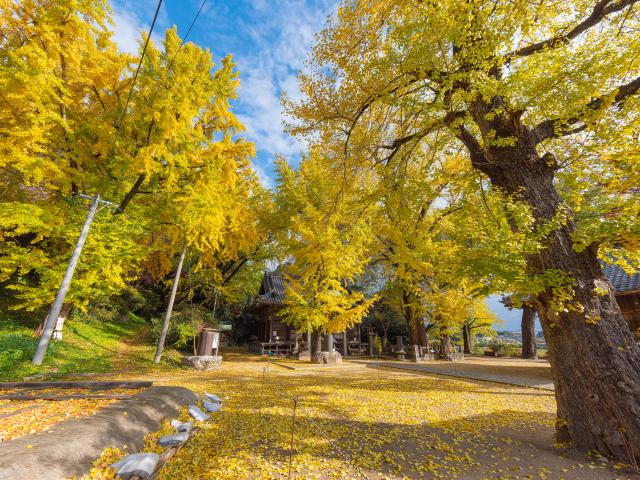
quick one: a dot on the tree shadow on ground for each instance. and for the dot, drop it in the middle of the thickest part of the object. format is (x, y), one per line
(384, 449)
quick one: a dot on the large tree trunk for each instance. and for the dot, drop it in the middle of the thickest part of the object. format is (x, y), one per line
(316, 341)
(446, 346)
(528, 329)
(594, 359)
(422, 332)
(408, 314)
(466, 339)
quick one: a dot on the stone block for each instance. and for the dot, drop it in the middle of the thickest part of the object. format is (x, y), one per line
(203, 362)
(326, 358)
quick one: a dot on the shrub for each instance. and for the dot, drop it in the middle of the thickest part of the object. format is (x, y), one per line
(184, 326)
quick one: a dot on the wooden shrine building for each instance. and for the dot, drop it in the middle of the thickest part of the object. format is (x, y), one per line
(270, 333)
(271, 336)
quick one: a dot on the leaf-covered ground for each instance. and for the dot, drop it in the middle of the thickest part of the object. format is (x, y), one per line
(357, 422)
(23, 417)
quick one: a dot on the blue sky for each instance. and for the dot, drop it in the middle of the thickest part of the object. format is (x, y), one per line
(269, 41)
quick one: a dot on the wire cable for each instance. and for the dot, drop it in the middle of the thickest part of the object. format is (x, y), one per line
(135, 77)
(184, 39)
(169, 69)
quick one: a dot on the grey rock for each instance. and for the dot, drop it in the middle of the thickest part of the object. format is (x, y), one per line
(212, 407)
(326, 358)
(203, 362)
(197, 414)
(172, 440)
(136, 464)
(212, 397)
(179, 426)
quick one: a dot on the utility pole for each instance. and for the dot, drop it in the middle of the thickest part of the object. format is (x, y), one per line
(52, 318)
(215, 303)
(167, 316)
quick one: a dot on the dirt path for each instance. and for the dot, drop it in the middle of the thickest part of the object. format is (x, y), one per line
(526, 373)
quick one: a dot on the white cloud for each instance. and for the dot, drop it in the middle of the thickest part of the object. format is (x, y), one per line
(265, 179)
(129, 24)
(269, 40)
(281, 36)
(262, 113)
(126, 31)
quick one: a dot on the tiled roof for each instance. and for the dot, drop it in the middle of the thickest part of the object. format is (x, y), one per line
(620, 280)
(271, 290)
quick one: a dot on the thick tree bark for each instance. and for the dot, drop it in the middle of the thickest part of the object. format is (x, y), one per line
(466, 338)
(594, 359)
(446, 346)
(528, 329)
(422, 332)
(409, 317)
(415, 325)
(317, 341)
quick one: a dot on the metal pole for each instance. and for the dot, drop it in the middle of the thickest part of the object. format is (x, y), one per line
(50, 322)
(167, 316)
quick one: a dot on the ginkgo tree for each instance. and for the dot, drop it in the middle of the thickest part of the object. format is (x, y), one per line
(326, 233)
(171, 158)
(52, 55)
(416, 199)
(531, 92)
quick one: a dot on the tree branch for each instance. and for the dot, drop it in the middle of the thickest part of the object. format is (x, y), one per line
(235, 270)
(599, 13)
(131, 193)
(554, 128)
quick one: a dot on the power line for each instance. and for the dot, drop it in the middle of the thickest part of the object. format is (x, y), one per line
(184, 39)
(135, 77)
(169, 68)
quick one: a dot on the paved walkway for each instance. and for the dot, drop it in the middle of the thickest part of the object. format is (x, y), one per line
(527, 373)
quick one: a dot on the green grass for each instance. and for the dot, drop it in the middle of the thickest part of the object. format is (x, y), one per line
(89, 345)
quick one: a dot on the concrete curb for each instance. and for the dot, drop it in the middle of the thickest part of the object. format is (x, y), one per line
(407, 368)
(69, 447)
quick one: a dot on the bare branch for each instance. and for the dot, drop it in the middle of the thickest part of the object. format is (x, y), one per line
(599, 13)
(554, 128)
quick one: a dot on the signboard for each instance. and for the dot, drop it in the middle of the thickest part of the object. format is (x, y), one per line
(215, 337)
